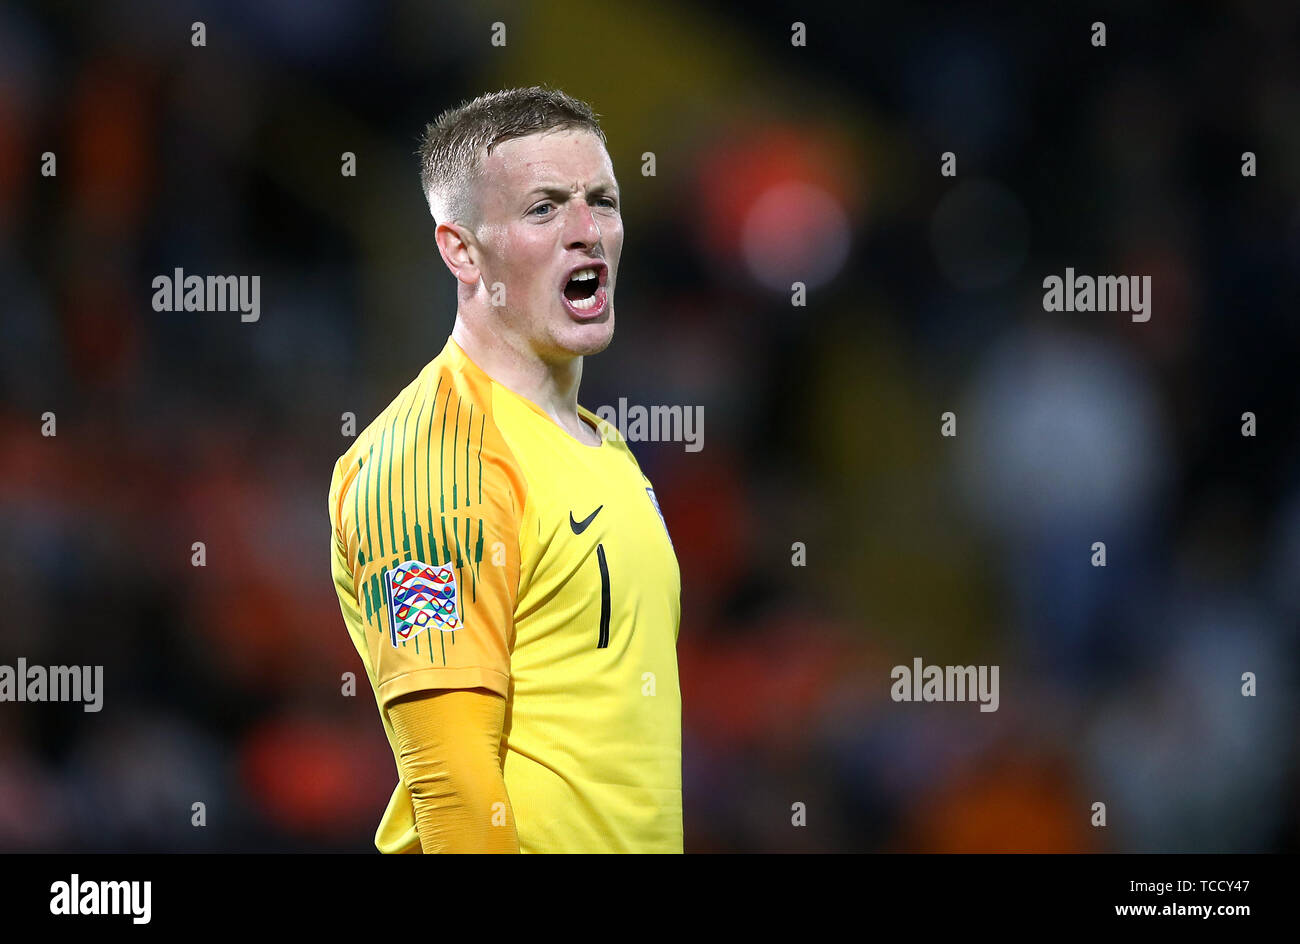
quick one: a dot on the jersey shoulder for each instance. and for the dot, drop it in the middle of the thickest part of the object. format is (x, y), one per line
(436, 446)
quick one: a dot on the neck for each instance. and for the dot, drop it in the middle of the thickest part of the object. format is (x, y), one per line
(552, 386)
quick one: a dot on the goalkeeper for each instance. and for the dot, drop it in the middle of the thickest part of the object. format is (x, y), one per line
(500, 559)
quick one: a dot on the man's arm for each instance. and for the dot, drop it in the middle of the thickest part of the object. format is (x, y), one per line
(449, 742)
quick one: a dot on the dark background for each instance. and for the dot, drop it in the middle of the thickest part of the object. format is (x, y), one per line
(773, 164)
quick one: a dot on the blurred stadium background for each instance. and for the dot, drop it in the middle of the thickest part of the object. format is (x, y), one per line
(1120, 685)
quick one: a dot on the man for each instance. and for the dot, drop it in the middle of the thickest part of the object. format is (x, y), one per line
(500, 559)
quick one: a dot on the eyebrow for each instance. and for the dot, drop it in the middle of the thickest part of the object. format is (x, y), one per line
(560, 192)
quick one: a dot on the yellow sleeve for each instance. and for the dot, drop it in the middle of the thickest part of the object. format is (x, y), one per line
(428, 525)
(449, 759)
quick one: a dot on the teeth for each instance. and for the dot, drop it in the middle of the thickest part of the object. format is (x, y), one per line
(583, 275)
(584, 304)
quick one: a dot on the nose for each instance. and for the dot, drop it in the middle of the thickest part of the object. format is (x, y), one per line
(581, 228)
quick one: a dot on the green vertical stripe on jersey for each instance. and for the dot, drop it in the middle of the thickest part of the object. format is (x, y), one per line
(469, 427)
(406, 535)
(442, 443)
(478, 548)
(379, 524)
(482, 425)
(392, 453)
(415, 487)
(428, 479)
(455, 435)
(473, 577)
(370, 543)
(467, 561)
(442, 495)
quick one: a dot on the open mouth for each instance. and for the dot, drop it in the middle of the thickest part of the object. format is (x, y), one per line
(584, 291)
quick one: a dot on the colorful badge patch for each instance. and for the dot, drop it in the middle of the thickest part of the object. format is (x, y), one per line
(421, 596)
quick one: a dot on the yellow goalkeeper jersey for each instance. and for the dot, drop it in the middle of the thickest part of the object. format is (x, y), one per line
(476, 544)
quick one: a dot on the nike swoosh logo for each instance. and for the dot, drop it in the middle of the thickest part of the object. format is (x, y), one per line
(580, 526)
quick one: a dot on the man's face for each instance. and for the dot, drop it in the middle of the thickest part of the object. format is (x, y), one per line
(549, 208)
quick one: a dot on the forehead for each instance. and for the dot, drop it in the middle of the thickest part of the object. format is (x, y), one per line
(554, 157)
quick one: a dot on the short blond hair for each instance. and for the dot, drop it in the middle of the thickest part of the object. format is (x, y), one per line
(452, 147)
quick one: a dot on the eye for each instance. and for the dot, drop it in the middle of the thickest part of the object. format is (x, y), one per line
(540, 206)
(610, 202)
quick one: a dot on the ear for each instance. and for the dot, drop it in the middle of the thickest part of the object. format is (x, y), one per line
(458, 250)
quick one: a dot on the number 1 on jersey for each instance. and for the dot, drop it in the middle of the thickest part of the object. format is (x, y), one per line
(604, 597)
